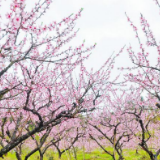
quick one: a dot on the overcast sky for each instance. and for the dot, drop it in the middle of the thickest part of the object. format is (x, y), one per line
(104, 22)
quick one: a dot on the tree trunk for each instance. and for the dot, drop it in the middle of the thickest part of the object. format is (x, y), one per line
(114, 158)
(59, 155)
(69, 154)
(119, 151)
(74, 152)
(18, 156)
(41, 157)
(152, 156)
(40, 154)
(121, 158)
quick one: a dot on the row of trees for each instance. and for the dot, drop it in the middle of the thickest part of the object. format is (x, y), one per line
(43, 106)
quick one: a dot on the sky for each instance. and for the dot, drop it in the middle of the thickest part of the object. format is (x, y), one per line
(104, 22)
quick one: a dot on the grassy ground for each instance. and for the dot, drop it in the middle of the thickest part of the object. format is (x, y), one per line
(95, 155)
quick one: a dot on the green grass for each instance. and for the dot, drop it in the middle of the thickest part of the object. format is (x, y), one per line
(94, 155)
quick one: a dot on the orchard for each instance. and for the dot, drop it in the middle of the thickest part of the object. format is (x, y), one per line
(47, 112)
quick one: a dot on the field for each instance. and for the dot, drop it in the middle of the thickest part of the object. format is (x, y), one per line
(80, 155)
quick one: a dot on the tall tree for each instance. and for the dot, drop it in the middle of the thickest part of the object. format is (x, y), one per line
(37, 87)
